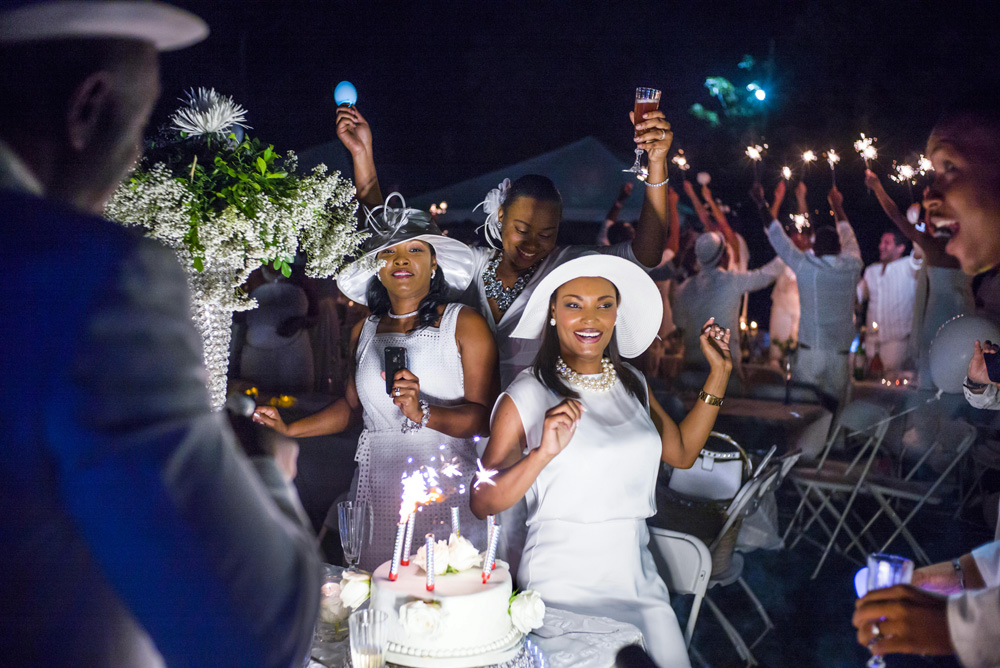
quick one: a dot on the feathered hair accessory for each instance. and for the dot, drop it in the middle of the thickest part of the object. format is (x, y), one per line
(384, 221)
(491, 205)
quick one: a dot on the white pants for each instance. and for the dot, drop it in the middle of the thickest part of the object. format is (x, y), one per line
(827, 372)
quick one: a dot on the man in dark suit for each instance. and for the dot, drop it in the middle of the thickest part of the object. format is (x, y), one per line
(133, 531)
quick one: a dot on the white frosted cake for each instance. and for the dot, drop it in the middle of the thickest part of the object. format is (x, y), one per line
(462, 623)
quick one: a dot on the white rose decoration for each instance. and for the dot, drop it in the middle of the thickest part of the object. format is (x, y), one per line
(440, 558)
(331, 607)
(527, 611)
(355, 588)
(420, 619)
(462, 554)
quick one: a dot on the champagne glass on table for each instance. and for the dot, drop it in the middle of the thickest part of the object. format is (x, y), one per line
(353, 517)
(886, 570)
(646, 99)
(369, 638)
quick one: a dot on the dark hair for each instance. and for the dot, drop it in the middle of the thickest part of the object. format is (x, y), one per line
(827, 241)
(620, 231)
(898, 237)
(534, 186)
(544, 366)
(427, 314)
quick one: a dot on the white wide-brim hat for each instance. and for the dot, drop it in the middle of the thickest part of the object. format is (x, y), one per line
(166, 27)
(640, 308)
(391, 226)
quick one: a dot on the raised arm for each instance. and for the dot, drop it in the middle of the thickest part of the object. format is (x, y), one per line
(612, 216)
(355, 133)
(721, 223)
(653, 134)
(699, 207)
(848, 242)
(760, 278)
(503, 453)
(782, 245)
(779, 197)
(674, 232)
(889, 207)
(682, 443)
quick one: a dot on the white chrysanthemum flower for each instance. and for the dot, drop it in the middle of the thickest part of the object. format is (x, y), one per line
(207, 112)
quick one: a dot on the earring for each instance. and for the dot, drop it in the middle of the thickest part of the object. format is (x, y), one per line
(434, 272)
(552, 321)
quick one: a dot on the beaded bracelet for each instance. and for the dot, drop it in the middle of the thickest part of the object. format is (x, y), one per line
(658, 185)
(409, 425)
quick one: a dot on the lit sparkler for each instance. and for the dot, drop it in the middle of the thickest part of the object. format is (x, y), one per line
(800, 220)
(905, 174)
(681, 161)
(808, 156)
(755, 153)
(786, 172)
(832, 159)
(924, 165)
(866, 149)
(484, 475)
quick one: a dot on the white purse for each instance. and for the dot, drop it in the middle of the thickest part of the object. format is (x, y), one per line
(717, 474)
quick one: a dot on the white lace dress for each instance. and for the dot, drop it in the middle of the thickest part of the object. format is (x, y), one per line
(587, 544)
(385, 453)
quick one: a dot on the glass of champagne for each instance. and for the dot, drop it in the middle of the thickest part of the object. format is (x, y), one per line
(886, 570)
(646, 99)
(369, 638)
(352, 516)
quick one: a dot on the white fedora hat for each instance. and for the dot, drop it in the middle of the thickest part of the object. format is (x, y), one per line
(166, 27)
(640, 308)
(390, 226)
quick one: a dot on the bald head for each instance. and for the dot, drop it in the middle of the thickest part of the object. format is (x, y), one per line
(80, 111)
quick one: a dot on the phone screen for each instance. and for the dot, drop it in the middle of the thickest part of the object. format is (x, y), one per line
(992, 366)
(395, 359)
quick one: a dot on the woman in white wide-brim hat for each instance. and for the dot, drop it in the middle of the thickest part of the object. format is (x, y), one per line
(595, 438)
(439, 402)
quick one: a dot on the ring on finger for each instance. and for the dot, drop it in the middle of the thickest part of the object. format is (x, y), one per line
(876, 631)
(395, 391)
(663, 134)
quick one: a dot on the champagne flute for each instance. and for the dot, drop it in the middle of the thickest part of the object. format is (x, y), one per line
(646, 99)
(369, 638)
(886, 570)
(353, 516)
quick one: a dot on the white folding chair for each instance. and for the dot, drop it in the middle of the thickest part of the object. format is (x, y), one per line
(885, 488)
(685, 564)
(822, 486)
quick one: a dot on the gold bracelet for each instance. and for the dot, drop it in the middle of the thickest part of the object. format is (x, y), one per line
(710, 399)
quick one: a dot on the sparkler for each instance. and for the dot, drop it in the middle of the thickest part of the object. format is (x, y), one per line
(866, 149)
(786, 172)
(429, 543)
(681, 161)
(801, 221)
(808, 156)
(905, 174)
(455, 526)
(491, 554)
(484, 475)
(832, 158)
(924, 165)
(397, 552)
(408, 541)
(755, 153)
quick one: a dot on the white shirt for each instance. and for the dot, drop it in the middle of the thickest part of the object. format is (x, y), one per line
(15, 175)
(974, 616)
(826, 288)
(891, 290)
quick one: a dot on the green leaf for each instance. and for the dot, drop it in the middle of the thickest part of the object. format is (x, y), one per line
(277, 175)
(276, 264)
(286, 271)
(199, 264)
(261, 165)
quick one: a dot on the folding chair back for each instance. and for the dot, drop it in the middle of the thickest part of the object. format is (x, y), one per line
(857, 418)
(685, 564)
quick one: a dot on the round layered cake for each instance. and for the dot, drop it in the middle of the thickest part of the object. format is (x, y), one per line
(461, 624)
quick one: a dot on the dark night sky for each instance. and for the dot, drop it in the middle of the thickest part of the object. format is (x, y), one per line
(456, 89)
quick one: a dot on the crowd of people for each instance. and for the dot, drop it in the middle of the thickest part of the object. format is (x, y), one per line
(147, 529)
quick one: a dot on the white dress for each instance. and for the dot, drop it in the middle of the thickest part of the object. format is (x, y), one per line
(385, 453)
(587, 544)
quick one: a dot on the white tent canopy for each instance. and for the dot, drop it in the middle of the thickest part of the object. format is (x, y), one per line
(586, 173)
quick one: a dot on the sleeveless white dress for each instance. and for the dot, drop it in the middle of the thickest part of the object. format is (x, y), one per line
(385, 453)
(587, 544)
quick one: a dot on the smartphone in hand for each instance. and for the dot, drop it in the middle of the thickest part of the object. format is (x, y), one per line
(992, 366)
(395, 359)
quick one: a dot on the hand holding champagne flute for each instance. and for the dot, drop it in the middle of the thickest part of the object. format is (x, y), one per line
(646, 100)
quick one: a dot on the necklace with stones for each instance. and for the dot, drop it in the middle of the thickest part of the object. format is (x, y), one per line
(402, 316)
(496, 291)
(607, 380)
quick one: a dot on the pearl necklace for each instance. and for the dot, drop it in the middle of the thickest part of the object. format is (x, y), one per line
(402, 315)
(607, 380)
(495, 289)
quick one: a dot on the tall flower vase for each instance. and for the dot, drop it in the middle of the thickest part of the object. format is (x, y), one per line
(214, 322)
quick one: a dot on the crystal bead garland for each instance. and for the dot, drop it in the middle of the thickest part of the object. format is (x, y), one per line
(495, 289)
(214, 323)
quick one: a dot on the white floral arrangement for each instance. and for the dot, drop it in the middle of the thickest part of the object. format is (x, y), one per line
(527, 610)
(355, 588)
(227, 204)
(455, 555)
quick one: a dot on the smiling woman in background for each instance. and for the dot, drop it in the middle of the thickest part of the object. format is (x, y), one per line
(439, 402)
